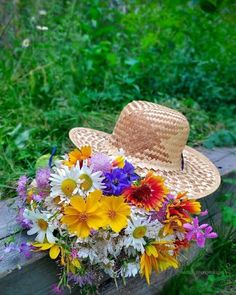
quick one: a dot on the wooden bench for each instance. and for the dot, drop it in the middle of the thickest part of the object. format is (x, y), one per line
(36, 275)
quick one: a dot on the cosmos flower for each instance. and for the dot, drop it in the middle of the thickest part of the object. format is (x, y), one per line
(115, 182)
(157, 256)
(149, 193)
(115, 212)
(82, 216)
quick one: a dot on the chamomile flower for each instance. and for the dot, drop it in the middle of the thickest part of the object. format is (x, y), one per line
(65, 182)
(137, 230)
(130, 269)
(40, 226)
(89, 180)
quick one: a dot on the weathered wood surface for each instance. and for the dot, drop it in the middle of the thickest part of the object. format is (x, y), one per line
(36, 275)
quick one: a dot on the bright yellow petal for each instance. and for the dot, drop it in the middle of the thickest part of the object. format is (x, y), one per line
(70, 219)
(145, 267)
(151, 250)
(76, 263)
(78, 203)
(82, 230)
(118, 223)
(92, 202)
(43, 246)
(95, 221)
(86, 152)
(70, 211)
(54, 252)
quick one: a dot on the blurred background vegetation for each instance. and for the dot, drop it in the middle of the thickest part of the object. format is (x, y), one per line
(77, 63)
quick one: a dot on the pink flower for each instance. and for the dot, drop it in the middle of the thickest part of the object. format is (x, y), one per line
(199, 233)
(204, 213)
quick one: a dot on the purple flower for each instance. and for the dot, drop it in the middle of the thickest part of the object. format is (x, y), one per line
(128, 169)
(21, 220)
(204, 213)
(115, 181)
(197, 233)
(25, 249)
(37, 198)
(57, 290)
(22, 187)
(10, 247)
(161, 214)
(74, 253)
(101, 162)
(42, 179)
(81, 279)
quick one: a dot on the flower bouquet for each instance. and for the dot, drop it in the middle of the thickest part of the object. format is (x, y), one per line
(93, 213)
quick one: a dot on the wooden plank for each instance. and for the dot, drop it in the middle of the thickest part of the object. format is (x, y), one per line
(8, 212)
(39, 273)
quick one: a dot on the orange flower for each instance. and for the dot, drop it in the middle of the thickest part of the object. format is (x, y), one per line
(157, 256)
(77, 155)
(179, 211)
(149, 193)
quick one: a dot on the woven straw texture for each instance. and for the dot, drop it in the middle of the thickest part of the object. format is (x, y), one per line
(153, 137)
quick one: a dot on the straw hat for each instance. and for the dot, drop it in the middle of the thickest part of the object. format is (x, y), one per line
(154, 137)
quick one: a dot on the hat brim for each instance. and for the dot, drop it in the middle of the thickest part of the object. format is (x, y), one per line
(199, 177)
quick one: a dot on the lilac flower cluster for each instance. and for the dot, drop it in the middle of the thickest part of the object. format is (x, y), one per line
(24, 249)
(81, 279)
(21, 220)
(22, 187)
(119, 179)
(101, 162)
(199, 233)
(42, 180)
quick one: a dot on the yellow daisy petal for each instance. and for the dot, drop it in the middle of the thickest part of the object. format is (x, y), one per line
(78, 203)
(54, 252)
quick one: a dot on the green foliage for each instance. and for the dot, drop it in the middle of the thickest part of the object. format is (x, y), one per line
(97, 56)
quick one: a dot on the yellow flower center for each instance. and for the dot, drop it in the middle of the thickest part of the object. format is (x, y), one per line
(112, 214)
(57, 200)
(139, 232)
(42, 224)
(68, 186)
(83, 217)
(87, 182)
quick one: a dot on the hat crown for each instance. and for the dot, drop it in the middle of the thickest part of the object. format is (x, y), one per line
(152, 132)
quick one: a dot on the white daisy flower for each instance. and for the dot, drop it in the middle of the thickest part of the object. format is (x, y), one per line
(130, 269)
(40, 226)
(138, 228)
(90, 180)
(65, 182)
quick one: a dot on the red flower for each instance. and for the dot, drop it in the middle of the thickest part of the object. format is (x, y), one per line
(149, 193)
